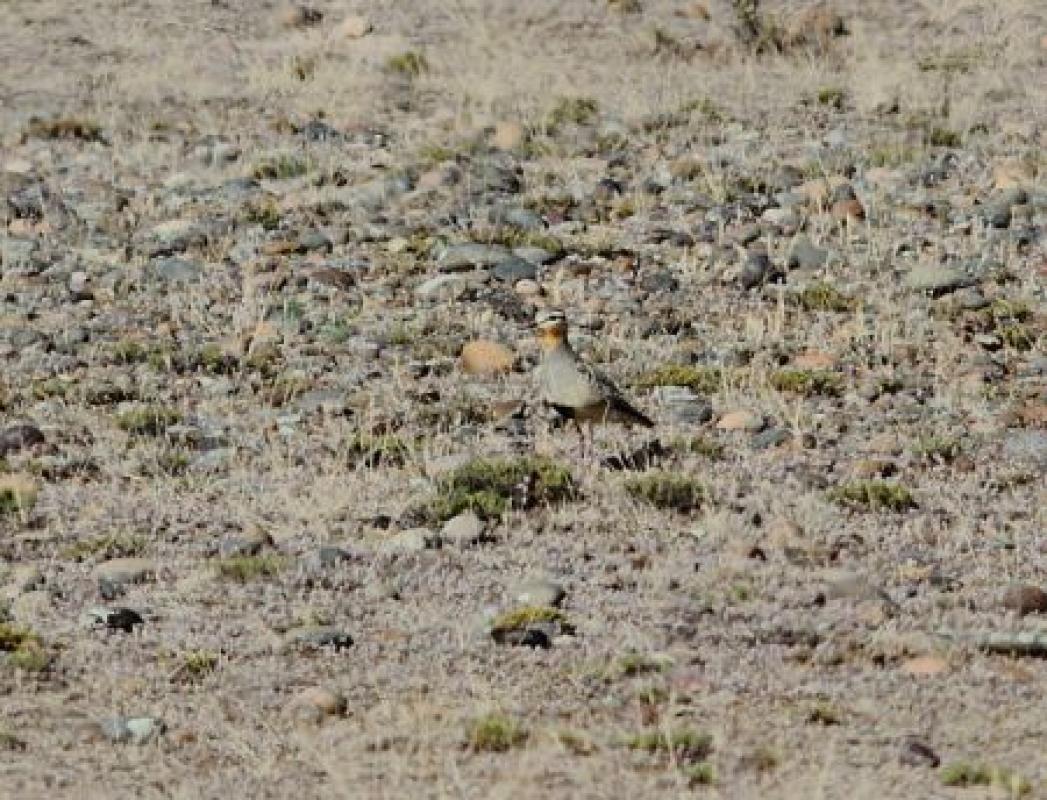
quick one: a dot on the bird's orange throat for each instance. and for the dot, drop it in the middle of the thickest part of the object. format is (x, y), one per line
(551, 337)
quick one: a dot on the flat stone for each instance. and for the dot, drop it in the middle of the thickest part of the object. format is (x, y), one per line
(539, 592)
(741, 420)
(318, 636)
(316, 703)
(805, 255)
(514, 269)
(412, 540)
(486, 358)
(1024, 599)
(113, 617)
(19, 436)
(125, 570)
(470, 256)
(176, 270)
(132, 730)
(463, 530)
(937, 280)
(354, 26)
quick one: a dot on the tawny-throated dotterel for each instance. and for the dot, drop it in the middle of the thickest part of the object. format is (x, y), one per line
(576, 390)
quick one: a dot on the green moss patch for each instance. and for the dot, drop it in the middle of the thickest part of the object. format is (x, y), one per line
(667, 490)
(873, 496)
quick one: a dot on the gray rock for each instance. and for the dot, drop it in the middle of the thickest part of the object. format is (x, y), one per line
(177, 235)
(972, 299)
(536, 255)
(517, 217)
(997, 214)
(682, 405)
(113, 618)
(515, 269)
(755, 270)
(318, 636)
(464, 530)
(449, 285)
(132, 730)
(803, 254)
(19, 436)
(125, 570)
(937, 280)
(772, 437)
(25, 578)
(1026, 446)
(176, 270)
(17, 254)
(412, 540)
(470, 256)
(539, 592)
(249, 542)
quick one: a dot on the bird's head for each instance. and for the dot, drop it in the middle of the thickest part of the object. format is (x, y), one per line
(552, 328)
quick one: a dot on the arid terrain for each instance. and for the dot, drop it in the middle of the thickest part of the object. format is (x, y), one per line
(282, 513)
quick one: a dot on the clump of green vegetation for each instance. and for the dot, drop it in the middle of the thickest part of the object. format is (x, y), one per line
(47, 388)
(150, 420)
(13, 637)
(576, 743)
(495, 733)
(173, 462)
(280, 166)
(1017, 336)
(198, 663)
(825, 297)
(700, 774)
(704, 107)
(524, 617)
(304, 67)
(64, 128)
(511, 237)
(824, 713)
(832, 96)
(574, 110)
(409, 64)
(892, 155)
(265, 213)
(285, 388)
(128, 351)
(943, 137)
(17, 494)
(667, 490)
(23, 647)
(684, 745)
(652, 695)
(633, 664)
(942, 449)
(873, 496)
(762, 759)
(248, 568)
(959, 60)
(702, 446)
(489, 487)
(213, 360)
(807, 382)
(377, 450)
(105, 547)
(11, 743)
(625, 6)
(962, 773)
(705, 380)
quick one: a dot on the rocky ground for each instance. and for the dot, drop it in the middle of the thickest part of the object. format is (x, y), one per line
(280, 516)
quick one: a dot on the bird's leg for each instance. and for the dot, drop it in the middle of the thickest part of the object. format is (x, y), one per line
(588, 444)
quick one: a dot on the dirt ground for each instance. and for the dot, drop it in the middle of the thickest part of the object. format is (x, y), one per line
(282, 513)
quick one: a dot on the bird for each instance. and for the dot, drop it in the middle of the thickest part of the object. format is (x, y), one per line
(573, 388)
